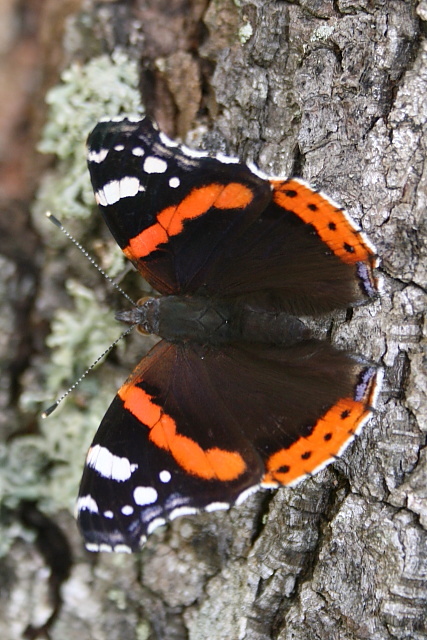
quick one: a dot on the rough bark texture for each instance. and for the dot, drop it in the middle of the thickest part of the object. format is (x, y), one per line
(334, 91)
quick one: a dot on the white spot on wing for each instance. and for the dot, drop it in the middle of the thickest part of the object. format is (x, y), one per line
(122, 548)
(154, 524)
(87, 503)
(92, 546)
(165, 476)
(258, 172)
(138, 151)
(113, 119)
(120, 119)
(174, 182)
(245, 494)
(108, 465)
(119, 147)
(217, 506)
(97, 156)
(129, 187)
(144, 495)
(227, 159)
(182, 511)
(127, 510)
(193, 153)
(167, 141)
(112, 192)
(100, 198)
(152, 164)
(270, 485)
(108, 514)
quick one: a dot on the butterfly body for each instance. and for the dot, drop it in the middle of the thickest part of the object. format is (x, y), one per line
(237, 395)
(213, 321)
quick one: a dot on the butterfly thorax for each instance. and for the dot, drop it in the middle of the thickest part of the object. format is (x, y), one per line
(207, 320)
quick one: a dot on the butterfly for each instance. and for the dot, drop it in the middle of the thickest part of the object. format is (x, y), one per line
(237, 394)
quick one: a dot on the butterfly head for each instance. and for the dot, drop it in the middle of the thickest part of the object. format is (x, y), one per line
(145, 314)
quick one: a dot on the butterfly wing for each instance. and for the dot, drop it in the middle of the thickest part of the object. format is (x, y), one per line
(302, 255)
(169, 208)
(198, 427)
(209, 226)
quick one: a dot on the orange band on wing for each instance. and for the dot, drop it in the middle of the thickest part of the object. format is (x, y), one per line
(209, 464)
(330, 434)
(170, 221)
(233, 196)
(330, 222)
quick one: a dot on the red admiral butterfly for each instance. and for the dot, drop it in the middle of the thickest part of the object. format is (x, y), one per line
(237, 395)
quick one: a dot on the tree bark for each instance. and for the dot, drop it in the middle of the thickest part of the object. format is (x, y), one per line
(333, 91)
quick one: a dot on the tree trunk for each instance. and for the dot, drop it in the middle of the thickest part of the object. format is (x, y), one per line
(334, 91)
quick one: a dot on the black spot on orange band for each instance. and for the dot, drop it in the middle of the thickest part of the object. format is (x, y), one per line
(332, 226)
(307, 454)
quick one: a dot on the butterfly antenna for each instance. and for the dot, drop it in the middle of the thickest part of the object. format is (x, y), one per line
(52, 408)
(56, 222)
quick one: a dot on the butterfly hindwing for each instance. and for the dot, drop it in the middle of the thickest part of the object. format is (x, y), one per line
(143, 469)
